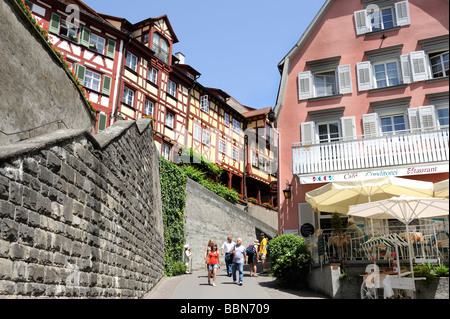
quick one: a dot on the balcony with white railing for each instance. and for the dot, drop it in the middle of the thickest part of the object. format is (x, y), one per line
(369, 153)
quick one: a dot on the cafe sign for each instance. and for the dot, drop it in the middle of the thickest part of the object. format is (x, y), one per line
(399, 171)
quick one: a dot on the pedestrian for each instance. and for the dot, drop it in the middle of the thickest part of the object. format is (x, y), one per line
(226, 247)
(263, 252)
(239, 258)
(207, 250)
(253, 257)
(213, 264)
(187, 258)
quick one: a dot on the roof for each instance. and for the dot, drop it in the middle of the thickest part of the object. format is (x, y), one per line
(166, 19)
(84, 8)
(259, 112)
(284, 64)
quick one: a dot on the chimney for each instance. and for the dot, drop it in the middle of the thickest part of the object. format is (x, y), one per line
(180, 56)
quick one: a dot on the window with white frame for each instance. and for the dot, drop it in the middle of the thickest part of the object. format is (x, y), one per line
(235, 154)
(92, 80)
(149, 107)
(132, 61)
(166, 150)
(172, 88)
(381, 17)
(325, 84)
(386, 73)
(227, 119)
(328, 132)
(255, 159)
(153, 75)
(128, 96)
(442, 116)
(439, 64)
(97, 43)
(263, 164)
(321, 83)
(145, 38)
(197, 133)
(68, 30)
(236, 126)
(170, 119)
(394, 70)
(222, 147)
(206, 138)
(204, 103)
(413, 119)
(393, 124)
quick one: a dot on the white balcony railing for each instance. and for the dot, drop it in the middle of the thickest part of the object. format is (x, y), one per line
(365, 153)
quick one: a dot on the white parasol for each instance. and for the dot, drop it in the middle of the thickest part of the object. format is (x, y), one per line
(338, 196)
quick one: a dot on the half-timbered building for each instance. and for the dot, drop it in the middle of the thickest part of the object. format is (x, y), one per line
(130, 70)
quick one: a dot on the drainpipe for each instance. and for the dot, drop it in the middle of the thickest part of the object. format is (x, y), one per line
(117, 109)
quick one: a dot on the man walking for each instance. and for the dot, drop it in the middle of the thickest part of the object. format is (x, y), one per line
(239, 258)
(227, 247)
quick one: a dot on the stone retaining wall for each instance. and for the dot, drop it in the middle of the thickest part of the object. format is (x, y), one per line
(210, 216)
(80, 215)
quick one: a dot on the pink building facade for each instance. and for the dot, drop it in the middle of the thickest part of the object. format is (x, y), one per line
(363, 93)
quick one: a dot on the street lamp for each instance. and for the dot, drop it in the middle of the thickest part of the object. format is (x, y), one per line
(287, 192)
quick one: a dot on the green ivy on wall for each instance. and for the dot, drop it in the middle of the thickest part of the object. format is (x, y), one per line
(173, 195)
(206, 174)
(173, 190)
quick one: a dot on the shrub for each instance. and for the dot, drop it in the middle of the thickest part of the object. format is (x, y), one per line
(178, 268)
(197, 174)
(290, 259)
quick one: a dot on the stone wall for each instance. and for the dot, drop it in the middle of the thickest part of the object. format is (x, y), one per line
(80, 215)
(35, 88)
(210, 216)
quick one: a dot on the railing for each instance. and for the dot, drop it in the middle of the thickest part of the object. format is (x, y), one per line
(362, 153)
(428, 243)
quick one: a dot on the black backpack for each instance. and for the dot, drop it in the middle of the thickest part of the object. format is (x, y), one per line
(251, 249)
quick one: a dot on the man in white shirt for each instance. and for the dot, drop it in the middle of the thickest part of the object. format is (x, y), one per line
(227, 247)
(239, 258)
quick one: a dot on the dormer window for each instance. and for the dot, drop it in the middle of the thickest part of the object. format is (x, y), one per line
(161, 48)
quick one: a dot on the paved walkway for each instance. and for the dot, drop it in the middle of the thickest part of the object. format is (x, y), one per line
(195, 286)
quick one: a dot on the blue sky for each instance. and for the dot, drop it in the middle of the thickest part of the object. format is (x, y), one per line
(235, 44)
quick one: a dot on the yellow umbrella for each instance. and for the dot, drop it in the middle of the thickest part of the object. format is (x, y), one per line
(338, 196)
(441, 189)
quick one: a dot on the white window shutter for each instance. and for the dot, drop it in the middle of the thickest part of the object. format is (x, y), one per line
(304, 85)
(362, 23)
(308, 133)
(419, 66)
(348, 128)
(371, 125)
(414, 121)
(427, 117)
(364, 70)
(402, 13)
(345, 79)
(406, 68)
